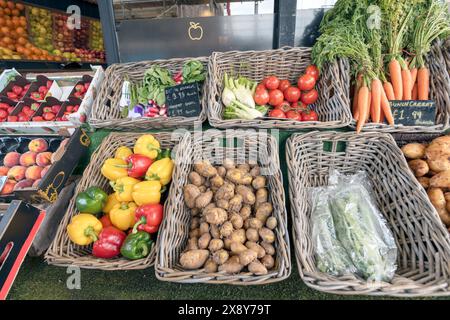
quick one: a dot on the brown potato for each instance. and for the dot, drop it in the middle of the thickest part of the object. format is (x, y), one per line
(419, 167)
(225, 192)
(216, 216)
(216, 182)
(271, 223)
(192, 244)
(441, 180)
(444, 215)
(414, 150)
(424, 182)
(235, 203)
(193, 259)
(237, 221)
(232, 265)
(227, 243)
(226, 229)
(229, 164)
(439, 164)
(204, 228)
(210, 266)
(237, 247)
(262, 195)
(194, 233)
(215, 231)
(270, 249)
(221, 171)
(220, 256)
(267, 235)
(268, 262)
(203, 241)
(252, 234)
(259, 182)
(255, 171)
(202, 189)
(248, 196)
(195, 223)
(205, 169)
(437, 197)
(191, 192)
(447, 201)
(196, 179)
(438, 147)
(215, 245)
(244, 167)
(257, 248)
(204, 199)
(245, 212)
(247, 256)
(255, 223)
(257, 268)
(238, 176)
(264, 211)
(224, 204)
(238, 236)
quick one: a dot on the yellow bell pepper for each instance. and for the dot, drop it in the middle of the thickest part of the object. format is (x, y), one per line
(148, 146)
(114, 169)
(161, 171)
(122, 215)
(147, 192)
(123, 188)
(123, 153)
(110, 203)
(84, 229)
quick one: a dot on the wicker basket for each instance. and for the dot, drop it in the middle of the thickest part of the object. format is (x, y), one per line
(106, 112)
(175, 229)
(63, 252)
(439, 91)
(423, 243)
(287, 63)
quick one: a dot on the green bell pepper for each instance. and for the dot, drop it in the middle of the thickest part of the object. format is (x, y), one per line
(91, 200)
(137, 245)
(164, 153)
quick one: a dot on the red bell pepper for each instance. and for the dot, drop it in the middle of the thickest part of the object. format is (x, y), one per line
(138, 165)
(108, 244)
(148, 217)
(106, 222)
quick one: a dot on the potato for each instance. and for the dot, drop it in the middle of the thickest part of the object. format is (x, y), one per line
(264, 211)
(252, 235)
(210, 266)
(439, 164)
(216, 182)
(444, 215)
(195, 211)
(203, 241)
(238, 236)
(247, 256)
(202, 189)
(262, 195)
(248, 197)
(271, 223)
(215, 245)
(194, 233)
(238, 176)
(267, 235)
(196, 179)
(424, 182)
(190, 192)
(229, 164)
(268, 262)
(225, 192)
(438, 147)
(437, 197)
(194, 259)
(257, 268)
(210, 206)
(222, 203)
(216, 216)
(227, 243)
(245, 212)
(244, 167)
(255, 223)
(447, 201)
(215, 231)
(246, 224)
(441, 180)
(204, 228)
(220, 256)
(414, 150)
(205, 169)
(226, 229)
(204, 199)
(232, 265)
(195, 223)
(270, 249)
(260, 252)
(419, 167)
(237, 221)
(235, 203)
(259, 182)
(237, 247)
(192, 244)
(255, 171)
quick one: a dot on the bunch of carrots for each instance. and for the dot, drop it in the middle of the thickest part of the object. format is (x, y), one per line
(386, 42)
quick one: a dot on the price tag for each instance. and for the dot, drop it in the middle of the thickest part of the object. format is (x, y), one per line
(414, 112)
(183, 100)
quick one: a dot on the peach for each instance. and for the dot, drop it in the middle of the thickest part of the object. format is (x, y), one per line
(33, 172)
(36, 183)
(17, 173)
(28, 159)
(43, 159)
(11, 159)
(44, 171)
(8, 187)
(23, 184)
(3, 171)
(38, 145)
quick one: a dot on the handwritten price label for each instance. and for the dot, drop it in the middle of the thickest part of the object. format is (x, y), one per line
(414, 112)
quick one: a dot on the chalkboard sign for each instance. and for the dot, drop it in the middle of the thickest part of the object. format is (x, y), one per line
(183, 100)
(414, 112)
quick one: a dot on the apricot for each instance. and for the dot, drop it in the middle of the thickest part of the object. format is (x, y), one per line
(33, 173)
(11, 159)
(38, 145)
(8, 187)
(28, 159)
(17, 173)
(44, 159)
(3, 171)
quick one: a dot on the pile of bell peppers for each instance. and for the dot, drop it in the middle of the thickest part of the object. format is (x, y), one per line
(122, 222)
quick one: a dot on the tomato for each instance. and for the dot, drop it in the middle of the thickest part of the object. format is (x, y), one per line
(284, 84)
(309, 115)
(276, 97)
(306, 82)
(277, 113)
(285, 106)
(298, 105)
(292, 94)
(294, 115)
(260, 86)
(313, 70)
(261, 97)
(310, 97)
(272, 82)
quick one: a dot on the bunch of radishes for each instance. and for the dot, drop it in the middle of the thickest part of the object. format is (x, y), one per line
(153, 110)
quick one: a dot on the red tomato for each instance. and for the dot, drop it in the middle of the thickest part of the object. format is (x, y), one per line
(284, 84)
(306, 82)
(309, 115)
(292, 94)
(260, 86)
(310, 97)
(276, 97)
(285, 106)
(261, 97)
(294, 115)
(313, 70)
(277, 113)
(299, 105)
(272, 82)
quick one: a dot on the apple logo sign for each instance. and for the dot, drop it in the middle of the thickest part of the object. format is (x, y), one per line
(195, 31)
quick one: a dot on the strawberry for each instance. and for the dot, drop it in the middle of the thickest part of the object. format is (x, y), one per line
(47, 109)
(69, 109)
(3, 114)
(49, 116)
(49, 83)
(25, 109)
(80, 88)
(22, 118)
(10, 109)
(35, 96)
(13, 118)
(56, 108)
(42, 89)
(78, 94)
(12, 95)
(4, 105)
(37, 118)
(34, 106)
(17, 90)
(43, 96)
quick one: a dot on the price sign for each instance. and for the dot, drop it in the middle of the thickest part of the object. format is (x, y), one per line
(414, 112)
(183, 100)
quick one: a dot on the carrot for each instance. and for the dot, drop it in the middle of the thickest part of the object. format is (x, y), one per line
(407, 84)
(413, 75)
(423, 83)
(363, 99)
(355, 110)
(386, 107)
(414, 92)
(382, 116)
(396, 78)
(389, 90)
(375, 106)
(369, 103)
